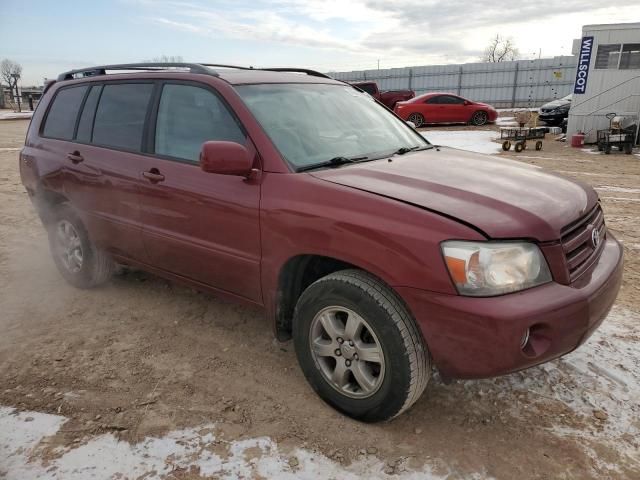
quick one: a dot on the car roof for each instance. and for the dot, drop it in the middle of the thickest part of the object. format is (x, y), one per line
(433, 94)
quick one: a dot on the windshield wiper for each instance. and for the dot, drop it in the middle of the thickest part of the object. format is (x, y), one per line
(403, 150)
(334, 162)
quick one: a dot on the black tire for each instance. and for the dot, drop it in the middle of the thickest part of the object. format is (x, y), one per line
(600, 147)
(96, 266)
(407, 366)
(417, 119)
(519, 147)
(479, 118)
(628, 148)
(607, 149)
(539, 145)
(506, 145)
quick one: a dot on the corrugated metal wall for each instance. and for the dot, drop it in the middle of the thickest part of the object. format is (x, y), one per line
(523, 83)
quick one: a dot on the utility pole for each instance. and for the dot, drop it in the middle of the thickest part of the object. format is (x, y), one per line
(378, 64)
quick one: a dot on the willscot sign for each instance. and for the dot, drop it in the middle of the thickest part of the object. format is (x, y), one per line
(582, 73)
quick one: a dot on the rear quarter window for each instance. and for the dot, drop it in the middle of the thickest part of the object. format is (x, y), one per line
(120, 117)
(60, 122)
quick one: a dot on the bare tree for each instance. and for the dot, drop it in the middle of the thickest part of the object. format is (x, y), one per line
(167, 59)
(500, 49)
(10, 72)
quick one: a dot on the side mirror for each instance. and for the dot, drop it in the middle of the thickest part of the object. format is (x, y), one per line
(225, 158)
(411, 124)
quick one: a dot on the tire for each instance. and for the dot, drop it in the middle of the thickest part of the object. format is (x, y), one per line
(600, 147)
(506, 145)
(394, 381)
(78, 260)
(519, 147)
(417, 119)
(479, 118)
(539, 145)
(607, 149)
(628, 148)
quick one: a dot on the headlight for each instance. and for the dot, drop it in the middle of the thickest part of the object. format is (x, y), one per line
(483, 269)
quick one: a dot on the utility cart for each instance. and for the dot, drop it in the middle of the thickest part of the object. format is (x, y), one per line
(616, 136)
(520, 135)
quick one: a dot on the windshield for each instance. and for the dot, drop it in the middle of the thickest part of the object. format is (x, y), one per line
(314, 123)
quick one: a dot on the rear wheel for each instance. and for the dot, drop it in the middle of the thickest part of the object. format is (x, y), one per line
(76, 257)
(506, 145)
(417, 119)
(539, 145)
(359, 347)
(519, 147)
(479, 118)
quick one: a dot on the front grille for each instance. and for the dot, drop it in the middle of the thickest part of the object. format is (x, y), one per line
(578, 242)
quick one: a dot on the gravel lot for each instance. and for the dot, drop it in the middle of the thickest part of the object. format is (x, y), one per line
(143, 377)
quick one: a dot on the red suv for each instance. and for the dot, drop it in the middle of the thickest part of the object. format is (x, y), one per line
(380, 254)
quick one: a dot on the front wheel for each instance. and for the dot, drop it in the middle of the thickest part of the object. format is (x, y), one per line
(79, 261)
(417, 119)
(479, 118)
(359, 347)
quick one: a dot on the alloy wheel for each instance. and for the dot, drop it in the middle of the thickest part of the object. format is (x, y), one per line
(69, 246)
(347, 352)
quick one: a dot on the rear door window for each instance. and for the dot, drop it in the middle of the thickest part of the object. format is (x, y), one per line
(61, 118)
(85, 126)
(187, 117)
(119, 119)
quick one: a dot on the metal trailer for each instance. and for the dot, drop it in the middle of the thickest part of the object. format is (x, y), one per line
(520, 135)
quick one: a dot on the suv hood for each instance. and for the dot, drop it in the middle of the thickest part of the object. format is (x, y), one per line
(501, 198)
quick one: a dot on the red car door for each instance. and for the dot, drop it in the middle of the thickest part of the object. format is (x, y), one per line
(432, 110)
(198, 225)
(453, 109)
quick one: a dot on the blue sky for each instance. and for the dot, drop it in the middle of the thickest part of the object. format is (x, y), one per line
(48, 37)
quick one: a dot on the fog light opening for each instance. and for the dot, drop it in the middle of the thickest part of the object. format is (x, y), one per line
(535, 341)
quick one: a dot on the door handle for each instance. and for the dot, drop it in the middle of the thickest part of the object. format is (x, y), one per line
(75, 157)
(153, 175)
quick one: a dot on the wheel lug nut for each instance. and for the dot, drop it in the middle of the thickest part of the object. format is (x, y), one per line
(340, 340)
(348, 363)
(338, 352)
(355, 356)
(351, 343)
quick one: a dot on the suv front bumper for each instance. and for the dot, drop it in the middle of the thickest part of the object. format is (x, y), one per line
(471, 337)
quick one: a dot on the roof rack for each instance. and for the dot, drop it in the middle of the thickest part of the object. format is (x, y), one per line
(147, 66)
(312, 73)
(160, 66)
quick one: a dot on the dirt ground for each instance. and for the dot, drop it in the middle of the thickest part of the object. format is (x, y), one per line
(141, 357)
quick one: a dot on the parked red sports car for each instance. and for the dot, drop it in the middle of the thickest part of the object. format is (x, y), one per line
(438, 107)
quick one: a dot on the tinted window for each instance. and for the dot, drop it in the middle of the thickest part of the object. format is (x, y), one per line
(368, 87)
(608, 56)
(88, 113)
(61, 119)
(434, 100)
(189, 116)
(451, 100)
(120, 116)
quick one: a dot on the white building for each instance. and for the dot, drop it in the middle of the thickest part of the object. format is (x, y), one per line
(607, 77)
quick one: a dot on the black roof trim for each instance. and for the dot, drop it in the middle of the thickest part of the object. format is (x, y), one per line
(192, 67)
(147, 66)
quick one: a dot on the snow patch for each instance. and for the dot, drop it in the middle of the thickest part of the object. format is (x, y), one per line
(479, 141)
(196, 450)
(15, 115)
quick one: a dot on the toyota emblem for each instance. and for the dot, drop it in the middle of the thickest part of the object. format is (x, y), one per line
(595, 237)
